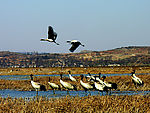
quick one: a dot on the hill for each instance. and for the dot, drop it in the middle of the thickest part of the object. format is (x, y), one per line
(124, 56)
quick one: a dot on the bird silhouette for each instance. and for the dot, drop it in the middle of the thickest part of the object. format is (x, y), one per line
(51, 36)
(75, 44)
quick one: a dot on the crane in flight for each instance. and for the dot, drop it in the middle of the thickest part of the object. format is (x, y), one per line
(75, 44)
(51, 36)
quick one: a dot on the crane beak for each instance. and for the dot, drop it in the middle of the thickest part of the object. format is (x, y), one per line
(68, 41)
(82, 45)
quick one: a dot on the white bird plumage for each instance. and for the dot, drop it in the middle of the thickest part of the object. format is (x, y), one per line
(37, 85)
(71, 77)
(98, 83)
(67, 85)
(136, 80)
(54, 86)
(86, 86)
(108, 85)
(100, 87)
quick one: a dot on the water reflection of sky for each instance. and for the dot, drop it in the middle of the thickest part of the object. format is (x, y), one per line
(49, 94)
(27, 77)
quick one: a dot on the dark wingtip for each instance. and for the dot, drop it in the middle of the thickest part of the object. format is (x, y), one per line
(71, 50)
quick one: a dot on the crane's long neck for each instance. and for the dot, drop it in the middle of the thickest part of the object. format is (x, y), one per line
(81, 77)
(89, 74)
(103, 78)
(133, 75)
(60, 76)
(99, 75)
(49, 79)
(95, 78)
(31, 77)
(69, 72)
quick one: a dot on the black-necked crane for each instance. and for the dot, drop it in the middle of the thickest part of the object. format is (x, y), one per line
(86, 86)
(92, 77)
(109, 85)
(51, 35)
(100, 87)
(67, 85)
(100, 81)
(75, 44)
(54, 86)
(37, 86)
(71, 77)
(136, 80)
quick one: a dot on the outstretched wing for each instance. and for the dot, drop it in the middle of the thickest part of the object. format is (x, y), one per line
(74, 46)
(50, 33)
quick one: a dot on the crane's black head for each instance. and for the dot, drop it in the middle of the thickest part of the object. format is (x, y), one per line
(31, 77)
(89, 74)
(133, 72)
(50, 28)
(69, 71)
(81, 77)
(60, 75)
(104, 77)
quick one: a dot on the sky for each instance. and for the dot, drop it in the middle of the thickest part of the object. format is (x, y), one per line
(99, 24)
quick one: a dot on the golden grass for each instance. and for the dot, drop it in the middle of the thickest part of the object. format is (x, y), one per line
(74, 70)
(99, 104)
(89, 104)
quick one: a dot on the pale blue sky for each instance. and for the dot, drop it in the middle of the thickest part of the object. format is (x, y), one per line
(99, 24)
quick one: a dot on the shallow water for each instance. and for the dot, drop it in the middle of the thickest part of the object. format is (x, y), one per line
(49, 94)
(27, 77)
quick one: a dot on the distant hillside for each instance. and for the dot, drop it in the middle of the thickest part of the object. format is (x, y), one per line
(124, 56)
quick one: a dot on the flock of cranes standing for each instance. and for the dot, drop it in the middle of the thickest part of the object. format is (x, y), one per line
(94, 82)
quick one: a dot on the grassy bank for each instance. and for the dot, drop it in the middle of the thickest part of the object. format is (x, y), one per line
(74, 70)
(130, 104)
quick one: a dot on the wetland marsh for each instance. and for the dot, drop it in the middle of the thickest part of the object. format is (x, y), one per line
(125, 99)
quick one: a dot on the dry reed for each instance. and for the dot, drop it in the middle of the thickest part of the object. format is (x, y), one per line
(88, 104)
(134, 103)
(74, 70)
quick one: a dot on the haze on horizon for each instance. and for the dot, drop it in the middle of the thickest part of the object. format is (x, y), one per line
(100, 24)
